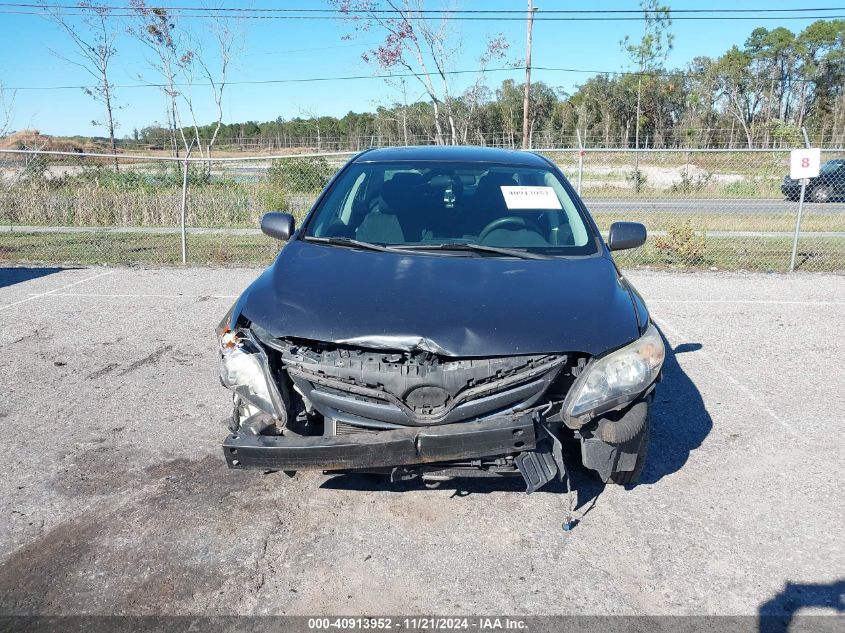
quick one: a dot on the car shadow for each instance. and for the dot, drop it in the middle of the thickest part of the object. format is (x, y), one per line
(583, 483)
(680, 422)
(776, 615)
(679, 418)
(9, 276)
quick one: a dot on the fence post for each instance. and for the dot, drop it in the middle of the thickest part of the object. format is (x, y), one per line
(580, 160)
(184, 209)
(185, 205)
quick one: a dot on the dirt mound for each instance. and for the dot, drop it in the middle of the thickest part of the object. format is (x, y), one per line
(34, 140)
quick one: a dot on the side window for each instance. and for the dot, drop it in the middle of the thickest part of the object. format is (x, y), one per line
(572, 231)
(355, 193)
(337, 208)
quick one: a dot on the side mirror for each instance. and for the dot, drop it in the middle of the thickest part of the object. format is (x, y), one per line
(626, 235)
(278, 225)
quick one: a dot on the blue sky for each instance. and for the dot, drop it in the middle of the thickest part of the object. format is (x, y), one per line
(286, 49)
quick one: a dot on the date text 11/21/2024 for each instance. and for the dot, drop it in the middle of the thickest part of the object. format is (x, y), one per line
(417, 623)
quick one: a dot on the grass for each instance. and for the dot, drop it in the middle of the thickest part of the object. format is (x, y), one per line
(135, 248)
(763, 254)
(758, 254)
(769, 222)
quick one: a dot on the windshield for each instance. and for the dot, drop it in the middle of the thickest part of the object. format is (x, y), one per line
(419, 204)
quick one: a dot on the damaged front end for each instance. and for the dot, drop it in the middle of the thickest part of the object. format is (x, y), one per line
(399, 407)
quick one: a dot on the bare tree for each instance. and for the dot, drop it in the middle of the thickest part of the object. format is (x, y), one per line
(227, 36)
(93, 37)
(7, 109)
(309, 112)
(180, 61)
(419, 44)
(155, 29)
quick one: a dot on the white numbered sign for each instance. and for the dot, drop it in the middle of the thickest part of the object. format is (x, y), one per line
(530, 198)
(804, 163)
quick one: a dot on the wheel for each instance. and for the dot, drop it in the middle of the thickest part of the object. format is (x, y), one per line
(625, 477)
(820, 194)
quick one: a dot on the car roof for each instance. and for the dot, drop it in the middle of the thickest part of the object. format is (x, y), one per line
(452, 153)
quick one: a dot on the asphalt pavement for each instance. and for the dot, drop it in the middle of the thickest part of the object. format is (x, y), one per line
(115, 498)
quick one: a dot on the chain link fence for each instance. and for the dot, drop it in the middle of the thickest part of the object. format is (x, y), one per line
(704, 209)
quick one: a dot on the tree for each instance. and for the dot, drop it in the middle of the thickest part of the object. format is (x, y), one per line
(225, 35)
(93, 37)
(772, 56)
(422, 46)
(821, 53)
(740, 89)
(155, 29)
(7, 108)
(178, 59)
(650, 53)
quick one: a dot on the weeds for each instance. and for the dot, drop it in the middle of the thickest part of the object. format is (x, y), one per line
(691, 184)
(681, 245)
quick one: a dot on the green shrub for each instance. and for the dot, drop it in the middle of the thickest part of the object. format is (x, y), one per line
(637, 178)
(300, 175)
(681, 245)
(276, 199)
(691, 184)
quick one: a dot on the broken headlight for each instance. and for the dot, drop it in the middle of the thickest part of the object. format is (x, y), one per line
(244, 370)
(615, 379)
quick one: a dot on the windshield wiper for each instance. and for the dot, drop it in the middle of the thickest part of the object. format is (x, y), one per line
(348, 241)
(478, 248)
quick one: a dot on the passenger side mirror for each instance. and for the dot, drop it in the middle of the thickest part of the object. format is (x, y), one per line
(626, 235)
(278, 225)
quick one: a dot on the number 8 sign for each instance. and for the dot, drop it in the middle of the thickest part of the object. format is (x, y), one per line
(804, 163)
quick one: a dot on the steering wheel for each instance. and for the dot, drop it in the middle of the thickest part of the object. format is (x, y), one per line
(516, 220)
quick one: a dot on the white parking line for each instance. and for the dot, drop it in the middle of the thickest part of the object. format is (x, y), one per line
(664, 325)
(55, 291)
(761, 301)
(132, 295)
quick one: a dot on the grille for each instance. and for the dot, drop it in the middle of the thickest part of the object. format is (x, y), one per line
(343, 428)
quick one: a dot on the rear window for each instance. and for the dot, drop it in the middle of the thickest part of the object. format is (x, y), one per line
(430, 203)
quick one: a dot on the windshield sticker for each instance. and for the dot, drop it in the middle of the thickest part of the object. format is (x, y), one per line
(530, 198)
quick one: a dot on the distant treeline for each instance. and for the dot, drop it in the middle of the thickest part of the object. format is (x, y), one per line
(758, 95)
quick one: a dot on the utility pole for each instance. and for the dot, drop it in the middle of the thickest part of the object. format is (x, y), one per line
(525, 99)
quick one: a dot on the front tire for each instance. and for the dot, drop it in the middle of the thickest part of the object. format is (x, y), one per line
(639, 445)
(821, 194)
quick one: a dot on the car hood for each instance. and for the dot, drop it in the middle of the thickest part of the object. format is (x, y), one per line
(454, 306)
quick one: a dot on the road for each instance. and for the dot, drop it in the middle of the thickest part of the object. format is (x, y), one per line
(115, 498)
(710, 206)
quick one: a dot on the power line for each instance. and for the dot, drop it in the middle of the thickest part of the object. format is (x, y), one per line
(462, 18)
(305, 14)
(678, 75)
(637, 12)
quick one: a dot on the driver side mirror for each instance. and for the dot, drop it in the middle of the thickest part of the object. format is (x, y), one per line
(278, 225)
(625, 235)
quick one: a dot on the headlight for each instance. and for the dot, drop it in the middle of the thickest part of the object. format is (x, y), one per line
(244, 370)
(615, 379)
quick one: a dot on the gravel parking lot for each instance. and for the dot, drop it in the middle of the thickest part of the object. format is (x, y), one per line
(114, 496)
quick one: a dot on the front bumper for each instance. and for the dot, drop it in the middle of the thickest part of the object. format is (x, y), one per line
(791, 189)
(399, 447)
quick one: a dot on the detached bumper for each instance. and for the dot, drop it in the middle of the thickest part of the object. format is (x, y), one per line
(400, 447)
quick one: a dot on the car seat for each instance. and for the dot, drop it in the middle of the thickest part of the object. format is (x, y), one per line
(488, 203)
